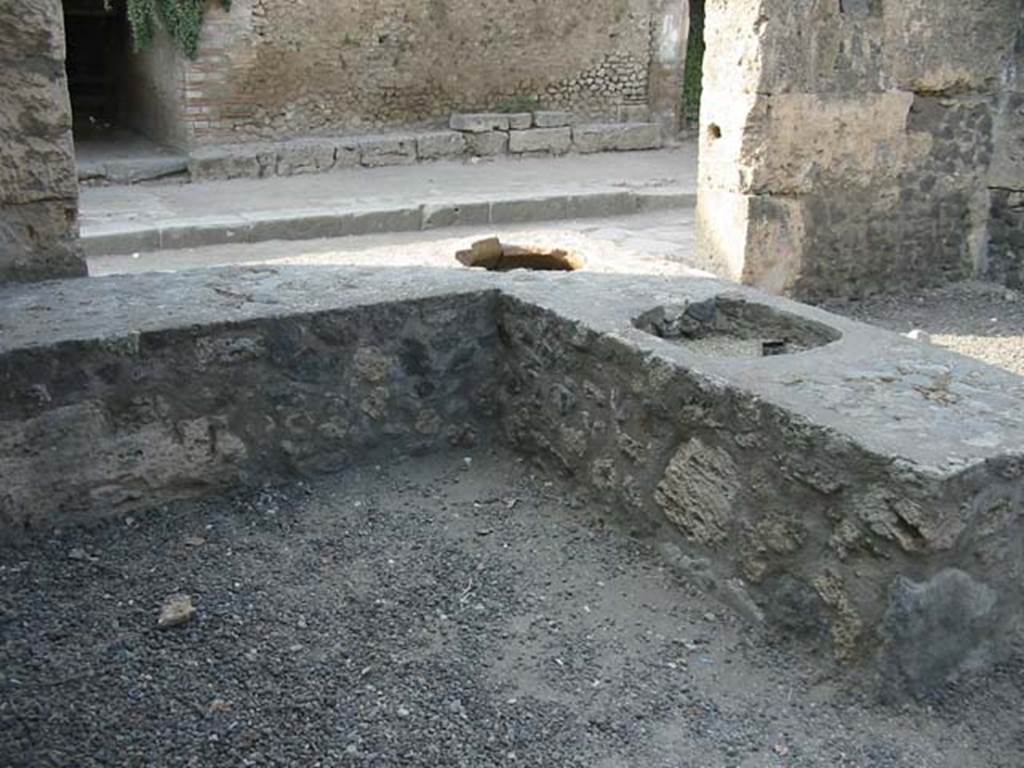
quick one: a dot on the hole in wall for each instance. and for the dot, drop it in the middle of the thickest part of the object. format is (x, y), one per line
(714, 132)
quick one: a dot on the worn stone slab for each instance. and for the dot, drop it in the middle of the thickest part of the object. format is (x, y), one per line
(520, 121)
(865, 494)
(225, 162)
(219, 230)
(616, 138)
(554, 141)
(307, 156)
(440, 145)
(479, 122)
(529, 209)
(378, 151)
(552, 119)
(487, 144)
(436, 215)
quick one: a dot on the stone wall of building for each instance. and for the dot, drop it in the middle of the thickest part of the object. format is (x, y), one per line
(38, 185)
(273, 69)
(1005, 261)
(153, 95)
(846, 145)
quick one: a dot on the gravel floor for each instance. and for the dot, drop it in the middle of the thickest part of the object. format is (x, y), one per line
(429, 613)
(976, 319)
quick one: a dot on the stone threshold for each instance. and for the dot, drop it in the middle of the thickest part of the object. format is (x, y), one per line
(863, 492)
(120, 238)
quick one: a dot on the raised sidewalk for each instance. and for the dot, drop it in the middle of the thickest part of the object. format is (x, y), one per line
(140, 218)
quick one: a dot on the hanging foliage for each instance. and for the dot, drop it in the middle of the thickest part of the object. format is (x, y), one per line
(183, 19)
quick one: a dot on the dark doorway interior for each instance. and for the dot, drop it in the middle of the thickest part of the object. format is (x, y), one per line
(97, 39)
(105, 84)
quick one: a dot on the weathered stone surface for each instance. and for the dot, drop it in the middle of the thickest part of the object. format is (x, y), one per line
(377, 151)
(934, 626)
(176, 611)
(698, 491)
(226, 162)
(496, 256)
(555, 141)
(271, 71)
(520, 121)
(308, 156)
(440, 145)
(479, 123)
(487, 144)
(38, 182)
(616, 137)
(455, 215)
(845, 147)
(832, 490)
(34, 28)
(552, 119)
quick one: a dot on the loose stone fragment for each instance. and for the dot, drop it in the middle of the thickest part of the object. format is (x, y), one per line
(176, 611)
(491, 254)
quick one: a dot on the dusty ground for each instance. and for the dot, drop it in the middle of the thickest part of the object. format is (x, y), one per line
(428, 614)
(980, 320)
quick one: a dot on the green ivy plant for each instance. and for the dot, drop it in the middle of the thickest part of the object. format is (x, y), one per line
(181, 18)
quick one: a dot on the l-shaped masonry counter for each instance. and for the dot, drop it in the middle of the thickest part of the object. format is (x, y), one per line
(865, 490)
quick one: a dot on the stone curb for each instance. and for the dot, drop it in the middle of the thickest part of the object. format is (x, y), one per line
(119, 240)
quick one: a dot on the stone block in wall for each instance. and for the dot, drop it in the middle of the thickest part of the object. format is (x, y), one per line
(347, 153)
(487, 144)
(480, 122)
(556, 141)
(440, 145)
(552, 119)
(38, 179)
(237, 161)
(1005, 262)
(950, 46)
(616, 138)
(31, 28)
(38, 241)
(520, 121)
(305, 156)
(378, 151)
(634, 113)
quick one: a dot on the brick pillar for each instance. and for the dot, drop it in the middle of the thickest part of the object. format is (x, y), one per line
(38, 180)
(845, 143)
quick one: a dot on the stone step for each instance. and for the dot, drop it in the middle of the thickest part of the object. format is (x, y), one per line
(542, 133)
(122, 237)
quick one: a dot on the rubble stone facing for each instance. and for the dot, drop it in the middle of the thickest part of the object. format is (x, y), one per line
(1005, 258)
(268, 70)
(846, 147)
(866, 494)
(38, 180)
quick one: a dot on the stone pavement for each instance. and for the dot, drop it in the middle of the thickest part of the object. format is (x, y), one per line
(133, 219)
(649, 243)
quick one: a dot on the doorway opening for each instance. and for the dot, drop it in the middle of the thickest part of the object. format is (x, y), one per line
(116, 112)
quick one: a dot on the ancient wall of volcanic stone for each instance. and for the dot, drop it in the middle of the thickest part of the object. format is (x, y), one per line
(271, 69)
(38, 185)
(1006, 182)
(846, 144)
